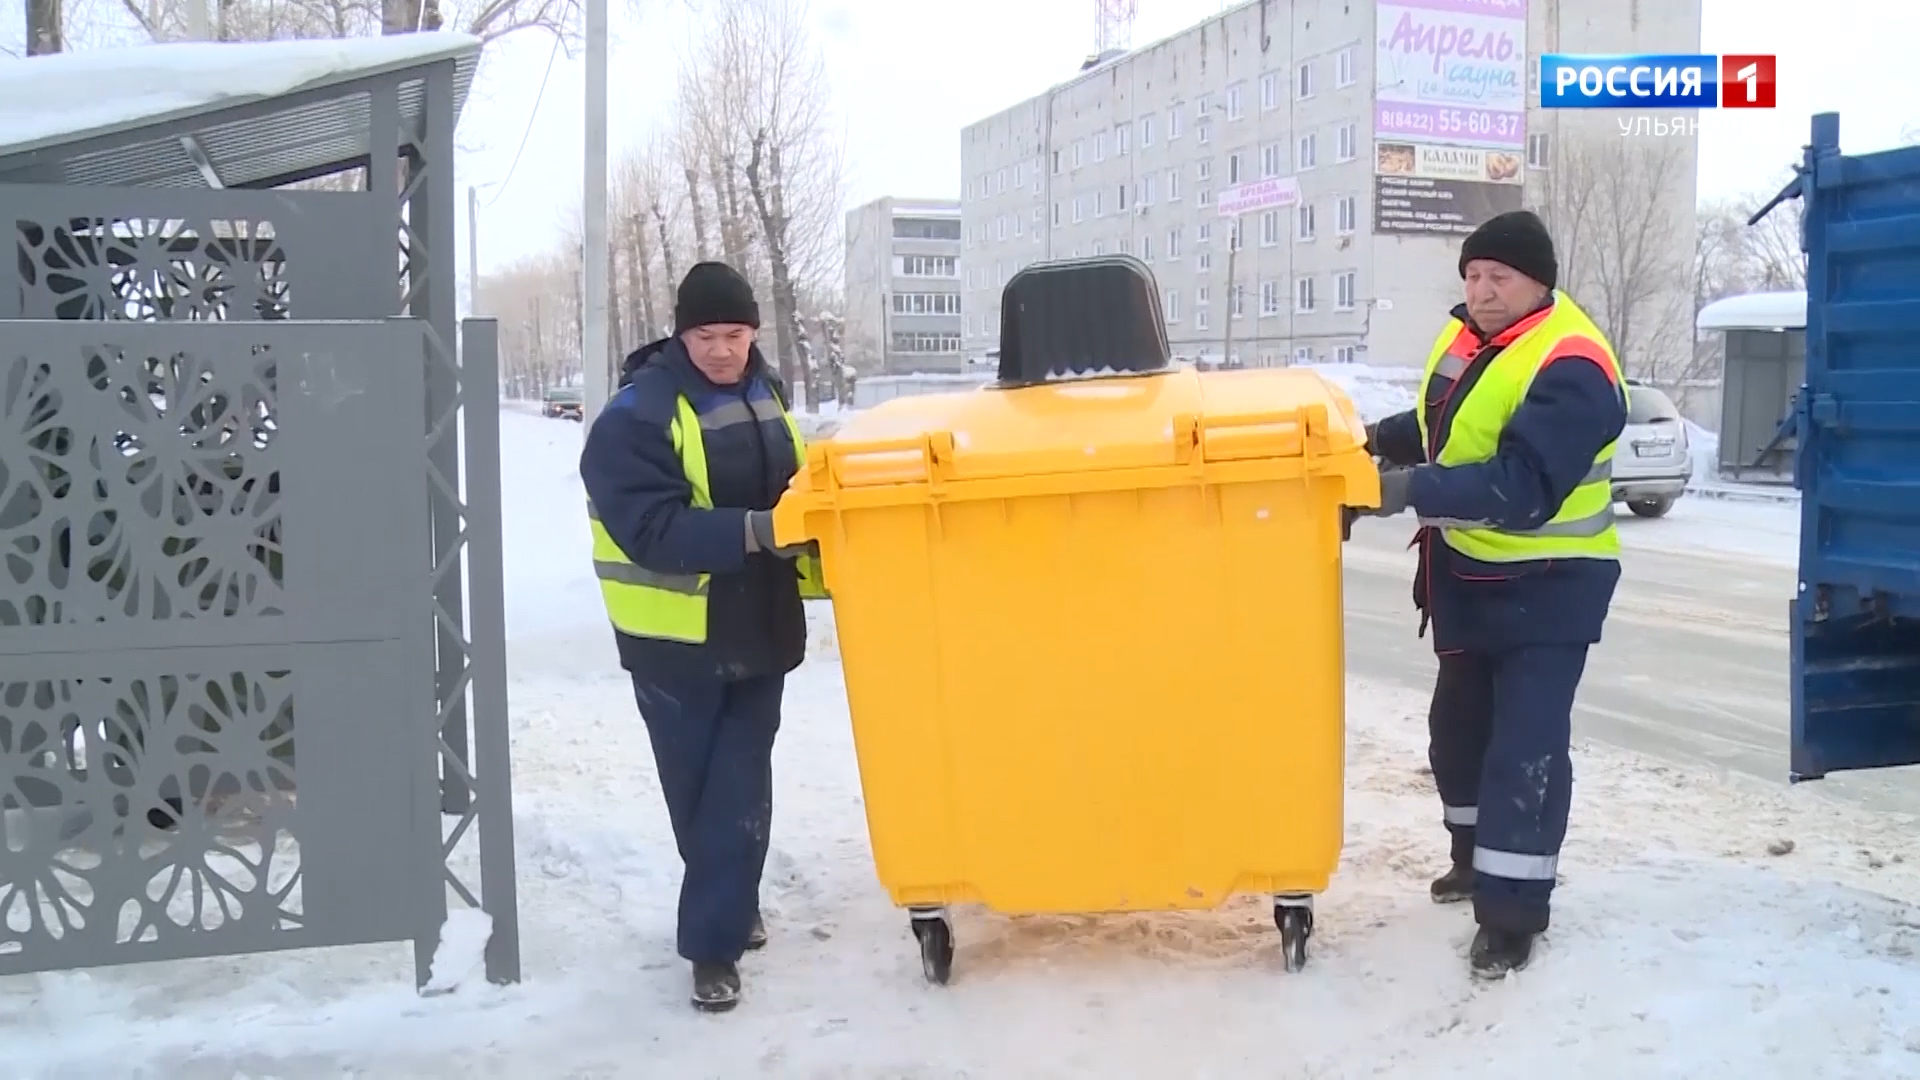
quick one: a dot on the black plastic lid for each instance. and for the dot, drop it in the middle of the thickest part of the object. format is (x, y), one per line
(1081, 317)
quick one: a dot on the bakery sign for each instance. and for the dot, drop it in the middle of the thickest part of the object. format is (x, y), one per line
(1464, 163)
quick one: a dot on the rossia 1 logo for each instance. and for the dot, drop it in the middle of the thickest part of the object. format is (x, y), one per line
(1648, 81)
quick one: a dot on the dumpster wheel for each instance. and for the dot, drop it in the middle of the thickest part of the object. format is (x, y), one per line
(1293, 915)
(934, 931)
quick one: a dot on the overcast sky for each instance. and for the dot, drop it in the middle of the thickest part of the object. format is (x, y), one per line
(909, 74)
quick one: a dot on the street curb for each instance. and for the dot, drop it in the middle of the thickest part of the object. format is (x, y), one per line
(1788, 497)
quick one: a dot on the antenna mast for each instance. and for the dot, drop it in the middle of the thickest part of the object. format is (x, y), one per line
(1113, 25)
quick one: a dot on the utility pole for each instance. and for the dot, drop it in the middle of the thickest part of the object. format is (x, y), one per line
(1233, 297)
(593, 257)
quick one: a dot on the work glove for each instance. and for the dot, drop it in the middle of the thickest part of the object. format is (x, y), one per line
(760, 537)
(1394, 485)
(1373, 440)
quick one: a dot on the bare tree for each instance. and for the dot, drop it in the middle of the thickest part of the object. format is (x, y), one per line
(1611, 205)
(46, 33)
(773, 97)
(266, 20)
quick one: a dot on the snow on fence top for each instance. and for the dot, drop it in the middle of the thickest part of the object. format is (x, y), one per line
(46, 100)
(1756, 311)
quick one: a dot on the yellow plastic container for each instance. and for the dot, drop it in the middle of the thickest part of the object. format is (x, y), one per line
(1092, 635)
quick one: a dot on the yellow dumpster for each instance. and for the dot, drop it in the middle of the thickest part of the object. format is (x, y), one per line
(1092, 638)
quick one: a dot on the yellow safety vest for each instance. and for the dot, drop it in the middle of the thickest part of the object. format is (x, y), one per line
(1583, 526)
(673, 607)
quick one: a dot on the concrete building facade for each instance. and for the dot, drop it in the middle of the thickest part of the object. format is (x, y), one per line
(1310, 98)
(903, 286)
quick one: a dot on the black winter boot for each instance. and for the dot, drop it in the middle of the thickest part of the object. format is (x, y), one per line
(716, 987)
(1455, 886)
(757, 937)
(1497, 952)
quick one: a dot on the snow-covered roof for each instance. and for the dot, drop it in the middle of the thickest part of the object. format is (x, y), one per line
(1756, 311)
(67, 98)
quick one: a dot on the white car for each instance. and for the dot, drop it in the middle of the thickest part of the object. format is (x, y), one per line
(1651, 462)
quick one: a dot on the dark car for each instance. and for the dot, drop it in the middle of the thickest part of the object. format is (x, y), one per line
(563, 402)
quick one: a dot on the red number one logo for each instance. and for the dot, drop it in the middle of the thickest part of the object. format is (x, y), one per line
(1746, 82)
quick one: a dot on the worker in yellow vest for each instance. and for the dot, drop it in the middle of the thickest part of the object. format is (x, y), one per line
(681, 471)
(1507, 462)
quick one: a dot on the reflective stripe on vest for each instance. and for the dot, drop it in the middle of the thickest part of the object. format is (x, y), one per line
(1583, 526)
(673, 607)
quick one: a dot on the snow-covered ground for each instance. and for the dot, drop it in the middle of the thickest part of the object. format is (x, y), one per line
(1707, 928)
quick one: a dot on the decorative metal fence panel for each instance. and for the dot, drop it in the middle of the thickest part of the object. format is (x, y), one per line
(217, 701)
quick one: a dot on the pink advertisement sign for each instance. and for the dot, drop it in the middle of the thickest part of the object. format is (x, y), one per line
(1451, 71)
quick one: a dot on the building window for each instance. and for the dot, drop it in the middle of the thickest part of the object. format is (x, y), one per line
(1018, 223)
(1000, 181)
(1306, 154)
(1038, 220)
(1099, 247)
(1173, 243)
(1146, 248)
(1343, 287)
(1123, 139)
(1343, 354)
(1236, 108)
(1173, 120)
(1204, 196)
(928, 266)
(926, 343)
(1269, 228)
(1171, 309)
(1303, 295)
(1202, 107)
(1146, 191)
(1308, 221)
(1079, 209)
(1003, 226)
(1233, 168)
(1122, 197)
(1305, 81)
(1348, 142)
(1202, 296)
(1173, 185)
(1272, 161)
(1204, 170)
(1203, 261)
(1056, 213)
(1343, 67)
(1199, 318)
(1269, 298)
(1270, 90)
(1016, 176)
(1079, 152)
(1538, 151)
(1237, 298)
(1303, 355)
(1099, 204)
(1100, 147)
(1124, 247)
(1346, 215)
(1205, 132)
(1056, 163)
(926, 229)
(1146, 132)
(926, 303)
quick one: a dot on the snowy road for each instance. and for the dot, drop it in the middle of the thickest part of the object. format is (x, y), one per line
(1694, 665)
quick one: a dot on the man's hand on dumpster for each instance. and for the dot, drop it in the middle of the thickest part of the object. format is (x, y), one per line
(760, 537)
(1394, 485)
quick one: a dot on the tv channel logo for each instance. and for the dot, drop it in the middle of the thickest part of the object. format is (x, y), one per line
(1657, 81)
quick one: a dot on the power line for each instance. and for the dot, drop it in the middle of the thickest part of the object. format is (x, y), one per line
(525, 135)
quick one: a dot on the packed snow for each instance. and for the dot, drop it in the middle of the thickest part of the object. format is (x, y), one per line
(1706, 928)
(97, 90)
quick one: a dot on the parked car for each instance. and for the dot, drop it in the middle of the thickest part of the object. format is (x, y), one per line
(564, 402)
(1651, 462)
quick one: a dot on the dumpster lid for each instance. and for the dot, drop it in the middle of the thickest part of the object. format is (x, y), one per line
(1081, 317)
(1175, 418)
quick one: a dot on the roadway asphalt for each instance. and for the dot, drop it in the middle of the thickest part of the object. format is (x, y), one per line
(1694, 665)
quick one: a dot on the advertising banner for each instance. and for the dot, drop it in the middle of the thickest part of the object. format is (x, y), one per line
(1452, 71)
(1259, 195)
(1414, 205)
(1471, 164)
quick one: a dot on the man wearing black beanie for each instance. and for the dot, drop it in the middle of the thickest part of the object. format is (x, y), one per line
(1507, 462)
(681, 471)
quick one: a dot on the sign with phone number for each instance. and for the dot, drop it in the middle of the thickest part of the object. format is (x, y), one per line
(1440, 123)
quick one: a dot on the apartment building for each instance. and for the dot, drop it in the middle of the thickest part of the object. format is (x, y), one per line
(1344, 127)
(903, 286)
